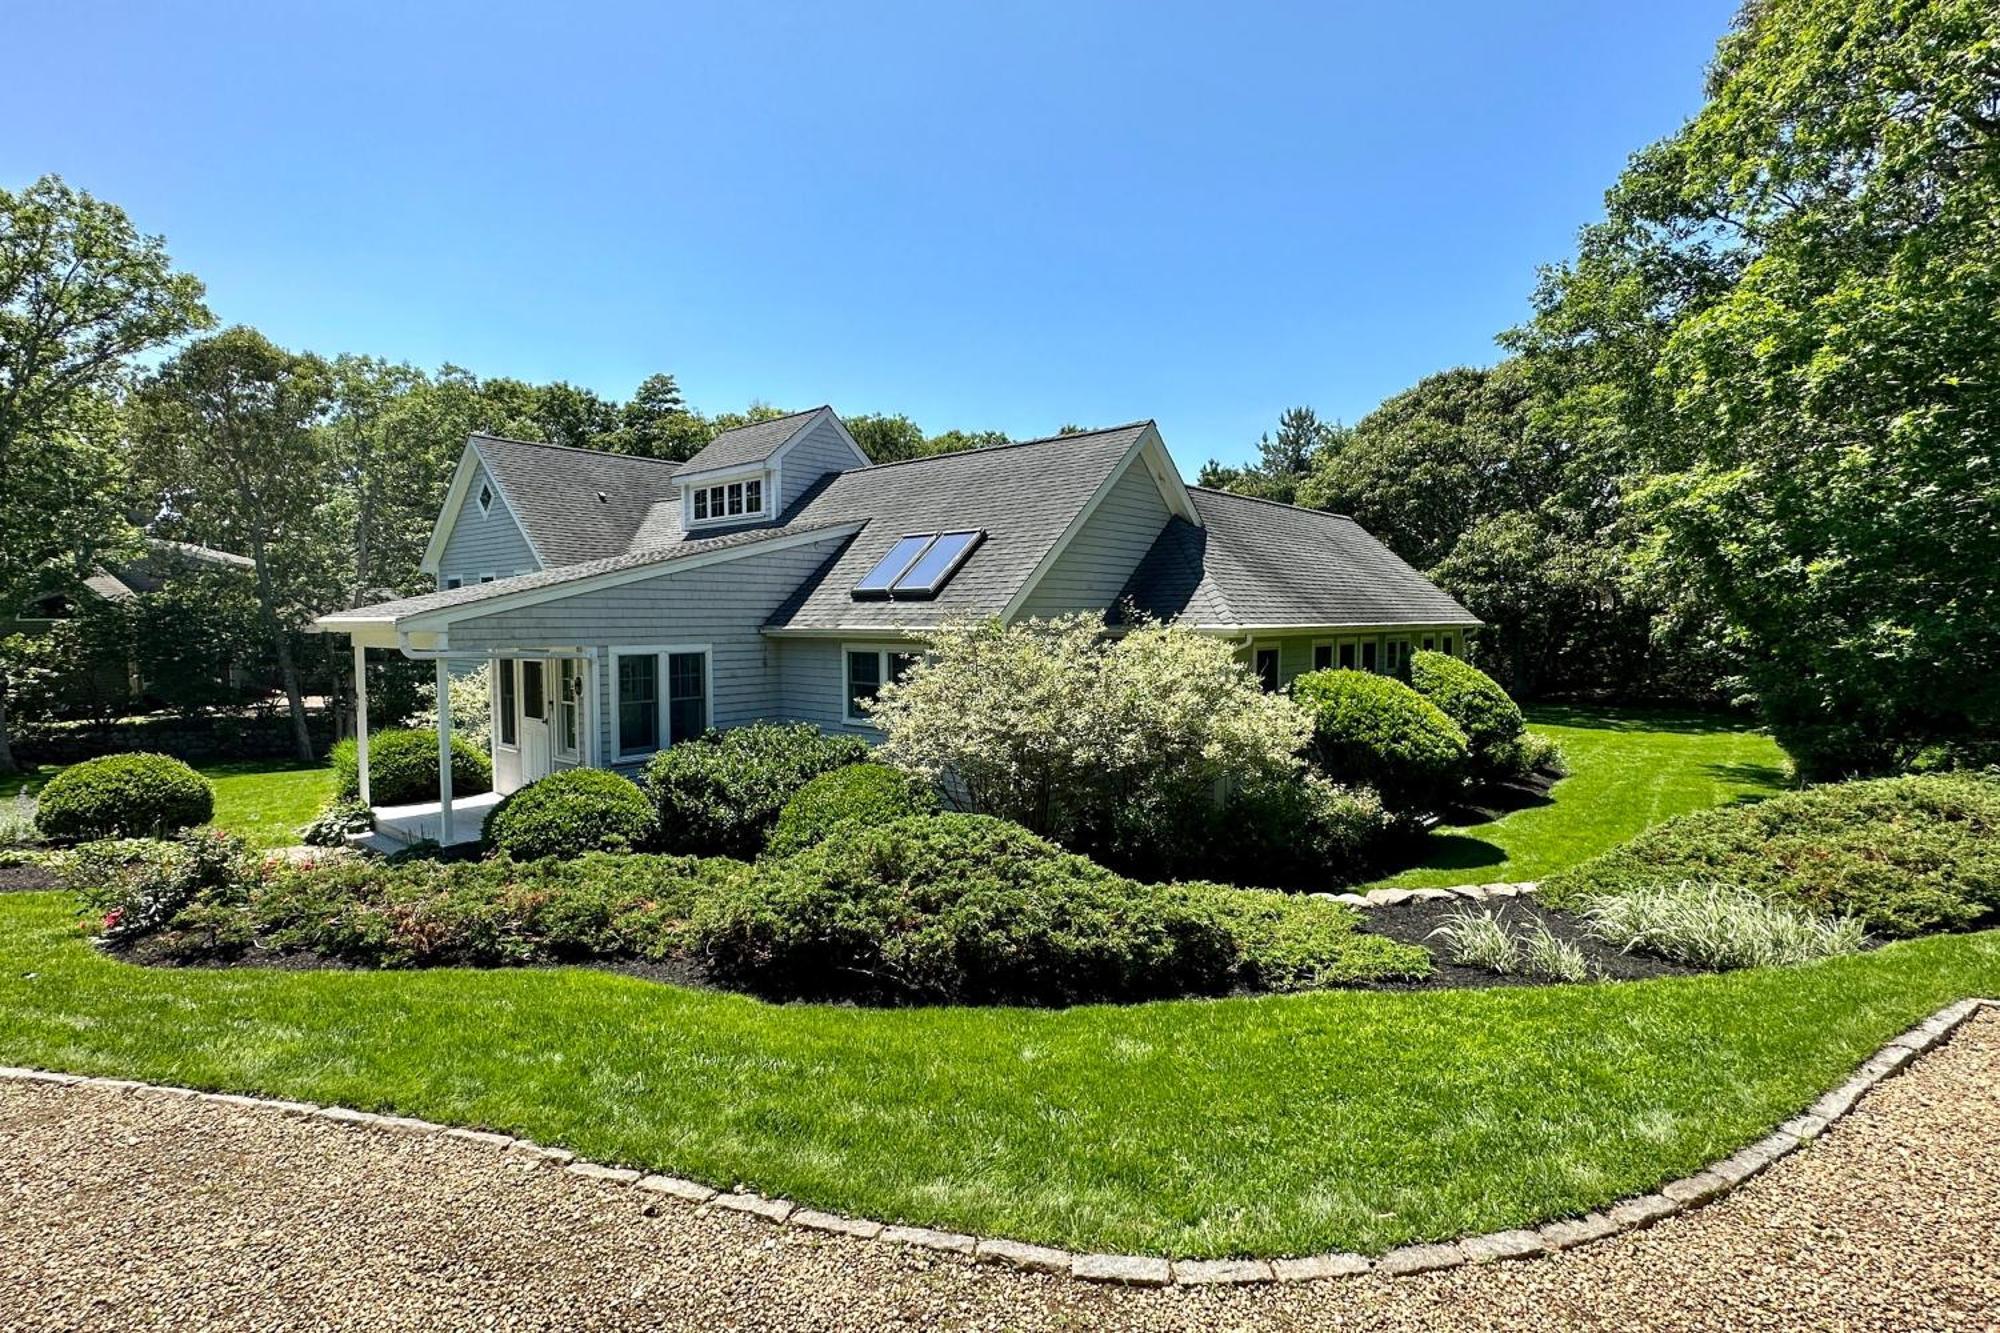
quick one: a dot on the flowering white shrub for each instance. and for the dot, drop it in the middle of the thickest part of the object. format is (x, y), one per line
(1128, 746)
(471, 708)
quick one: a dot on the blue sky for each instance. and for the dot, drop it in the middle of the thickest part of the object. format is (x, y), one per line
(987, 216)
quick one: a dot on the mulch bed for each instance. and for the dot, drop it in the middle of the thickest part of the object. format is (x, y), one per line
(1412, 922)
(28, 879)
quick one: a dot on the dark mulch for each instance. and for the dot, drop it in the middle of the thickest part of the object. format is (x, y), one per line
(1413, 921)
(28, 879)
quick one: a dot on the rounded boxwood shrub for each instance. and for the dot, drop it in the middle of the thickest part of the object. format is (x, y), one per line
(1491, 721)
(124, 795)
(403, 767)
(1905, 855)
(969, 908)
(871, 793)
(1375, 731)
(720, 795)
(571, 812)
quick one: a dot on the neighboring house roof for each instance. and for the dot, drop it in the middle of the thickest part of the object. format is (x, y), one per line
(1260, 564)
(746, 446)
(575, 505)
(486, 598)
(1023, 496)
(115, 581)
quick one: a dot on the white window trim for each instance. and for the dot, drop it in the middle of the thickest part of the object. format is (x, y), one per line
(767, 476)
(621, 755)
(881, 651)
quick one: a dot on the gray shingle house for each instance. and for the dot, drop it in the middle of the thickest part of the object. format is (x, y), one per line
(623, 604)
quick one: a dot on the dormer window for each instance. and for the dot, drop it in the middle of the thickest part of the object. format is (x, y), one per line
(727, 500)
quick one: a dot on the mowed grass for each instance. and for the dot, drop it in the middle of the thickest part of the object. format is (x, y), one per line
(262, 801)
(1628, 770)
(1280, 1125)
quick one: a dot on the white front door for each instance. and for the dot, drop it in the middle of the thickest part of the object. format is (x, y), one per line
(534, 720)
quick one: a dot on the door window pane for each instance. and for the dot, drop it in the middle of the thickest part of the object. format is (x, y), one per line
(638, 703)
(505, 666)
(533, 698)
(864, 682)
(687, 695)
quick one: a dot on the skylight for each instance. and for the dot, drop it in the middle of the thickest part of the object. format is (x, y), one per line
(918, 565)
(934, 568)
(877, 581)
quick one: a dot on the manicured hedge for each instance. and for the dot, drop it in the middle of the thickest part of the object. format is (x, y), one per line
(968, 908)
(124, 795)
(1906, 855)
(871, 793)
(721, 794)
(1491, 721)
(403, 768)
(1375, 731)
(571, 812)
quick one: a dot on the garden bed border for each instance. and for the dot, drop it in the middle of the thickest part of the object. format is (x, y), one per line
(1711, 1182)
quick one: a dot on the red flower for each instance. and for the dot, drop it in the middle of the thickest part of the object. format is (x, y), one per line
(113, 917)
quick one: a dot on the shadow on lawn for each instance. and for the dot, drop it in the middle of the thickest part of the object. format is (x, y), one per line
(1768, 779)
(1446, 851)
(1680, 721)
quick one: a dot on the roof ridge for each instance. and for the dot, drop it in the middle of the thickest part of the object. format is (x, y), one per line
(977, 450)
(571, 448)
(1262, 500)
(766, 421)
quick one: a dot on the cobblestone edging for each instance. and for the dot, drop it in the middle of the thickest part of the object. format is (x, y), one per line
(1715, 1180)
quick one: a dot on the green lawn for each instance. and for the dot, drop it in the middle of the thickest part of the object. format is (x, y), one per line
(1338, 1120)
(264, 801)
(1629, 769)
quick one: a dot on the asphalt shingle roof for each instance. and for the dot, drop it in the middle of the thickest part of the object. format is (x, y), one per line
(1257, 562)
(747, 444)
(473, 593)
(1023, 496)
(580, 504)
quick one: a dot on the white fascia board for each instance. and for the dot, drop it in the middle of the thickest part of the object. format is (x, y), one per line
(454, 500)
(469, 461)
(555, 592)
(1336, 626)
(1148, 451)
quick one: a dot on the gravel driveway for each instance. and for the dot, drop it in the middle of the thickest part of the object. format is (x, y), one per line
(128, 1212)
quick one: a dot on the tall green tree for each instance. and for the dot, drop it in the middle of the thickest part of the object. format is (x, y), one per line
(1804, 283)
(82, 292)
(228, 432)
(1283, 459)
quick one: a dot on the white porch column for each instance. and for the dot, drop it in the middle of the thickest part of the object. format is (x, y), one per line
(444, 752)
(361, 719)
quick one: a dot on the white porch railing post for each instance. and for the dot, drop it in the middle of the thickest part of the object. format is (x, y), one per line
(361, 720)
(444, 752)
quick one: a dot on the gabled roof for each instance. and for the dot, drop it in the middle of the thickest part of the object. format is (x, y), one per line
(575, 505)
(474, 599)
(748, 445)
(1258, 564)
(1023, 496)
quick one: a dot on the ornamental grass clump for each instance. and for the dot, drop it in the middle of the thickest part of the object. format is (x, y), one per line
(1481, 939)
(1718, 926)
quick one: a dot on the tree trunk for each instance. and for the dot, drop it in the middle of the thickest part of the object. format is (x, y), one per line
(7, 762)
(281, 642)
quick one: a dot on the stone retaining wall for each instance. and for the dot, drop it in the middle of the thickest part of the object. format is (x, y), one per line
(1716, 1179)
